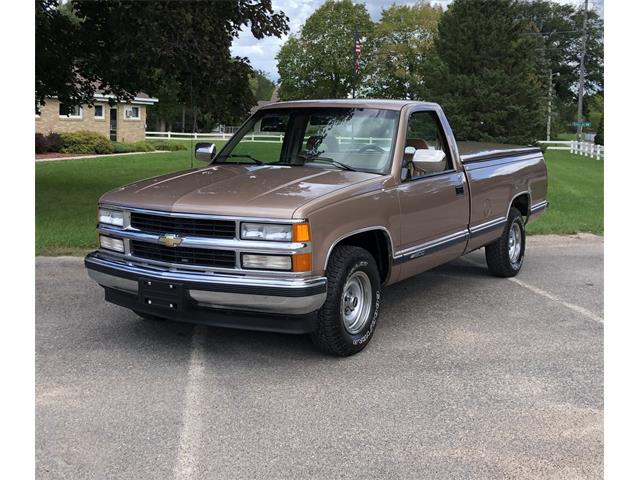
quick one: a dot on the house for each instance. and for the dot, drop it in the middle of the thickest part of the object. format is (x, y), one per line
(124, 122)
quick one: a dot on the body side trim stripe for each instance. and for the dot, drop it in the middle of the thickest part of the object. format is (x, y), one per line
(488, 227)
(539, 206)
(432, 247)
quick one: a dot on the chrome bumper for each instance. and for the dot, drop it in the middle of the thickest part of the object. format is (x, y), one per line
(257, 294)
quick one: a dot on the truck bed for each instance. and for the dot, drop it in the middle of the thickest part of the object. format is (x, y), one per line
(476, 151)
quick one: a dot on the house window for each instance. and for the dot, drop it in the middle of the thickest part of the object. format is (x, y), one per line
(132, 113)
(73, 112)
(98, 112)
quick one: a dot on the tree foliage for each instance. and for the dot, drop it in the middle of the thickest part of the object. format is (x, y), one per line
(318, 63)
(402, 43)
(486, 75)
(261, 86)
(124, 46)
(599, 139)
(558, 27)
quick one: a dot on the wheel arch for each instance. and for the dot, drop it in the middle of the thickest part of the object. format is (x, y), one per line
(521, 202)
(376, 240)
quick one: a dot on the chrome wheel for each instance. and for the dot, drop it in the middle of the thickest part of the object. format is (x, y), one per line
(515, 243)
(356, 302)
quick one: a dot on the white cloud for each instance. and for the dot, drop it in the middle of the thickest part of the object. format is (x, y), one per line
(262, 53)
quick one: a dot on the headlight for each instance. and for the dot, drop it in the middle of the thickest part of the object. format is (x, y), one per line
(111, 243)
(266, 231)
(111, 217)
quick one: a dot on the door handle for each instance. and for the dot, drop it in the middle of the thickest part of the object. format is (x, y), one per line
(460, 189)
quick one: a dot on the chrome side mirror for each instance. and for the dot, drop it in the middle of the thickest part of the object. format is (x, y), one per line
(205, 151)
(429, 160)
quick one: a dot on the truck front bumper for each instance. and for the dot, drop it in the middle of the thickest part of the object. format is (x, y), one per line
(255, 303)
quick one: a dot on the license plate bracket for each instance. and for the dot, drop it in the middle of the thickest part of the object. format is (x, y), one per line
(160, 294)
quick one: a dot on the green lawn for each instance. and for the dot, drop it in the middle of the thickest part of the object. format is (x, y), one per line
(576, 195)
(67, 192)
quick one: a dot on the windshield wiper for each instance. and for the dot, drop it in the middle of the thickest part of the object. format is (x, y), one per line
(335, 163)
(242, 155)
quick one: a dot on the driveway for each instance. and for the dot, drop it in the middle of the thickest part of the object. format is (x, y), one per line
(468, 376)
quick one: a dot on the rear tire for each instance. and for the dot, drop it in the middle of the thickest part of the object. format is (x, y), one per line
(506, 255)
(348, 318)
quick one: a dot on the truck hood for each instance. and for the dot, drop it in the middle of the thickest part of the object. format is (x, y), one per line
(274, 191)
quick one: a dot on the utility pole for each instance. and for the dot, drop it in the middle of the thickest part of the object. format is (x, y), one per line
(549, 102)
(356, 39)
(583, 52)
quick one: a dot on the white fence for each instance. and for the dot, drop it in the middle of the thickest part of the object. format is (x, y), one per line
(187, 136)
(587, 149)
(262, 137)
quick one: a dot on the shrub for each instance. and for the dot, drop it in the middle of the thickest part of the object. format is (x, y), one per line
(599, 140)
(55, 142)
(48, 143)
(42, 143)
(141, 146)
(85, 142)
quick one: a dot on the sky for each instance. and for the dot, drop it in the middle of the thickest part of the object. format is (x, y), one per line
(262, 53)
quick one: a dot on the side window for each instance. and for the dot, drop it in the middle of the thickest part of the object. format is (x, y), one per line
(424, 132)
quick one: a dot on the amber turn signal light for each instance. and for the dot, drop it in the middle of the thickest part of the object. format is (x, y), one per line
(301, 232)
(301, 262)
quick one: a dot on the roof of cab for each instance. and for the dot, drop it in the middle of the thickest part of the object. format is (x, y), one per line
(348, 102)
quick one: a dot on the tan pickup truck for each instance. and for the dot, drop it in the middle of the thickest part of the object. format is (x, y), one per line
(297, 223)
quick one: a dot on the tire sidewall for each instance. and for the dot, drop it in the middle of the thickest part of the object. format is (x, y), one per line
(359, 340)
(517, 220)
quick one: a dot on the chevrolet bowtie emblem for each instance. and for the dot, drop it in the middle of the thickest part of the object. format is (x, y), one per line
(170, 240)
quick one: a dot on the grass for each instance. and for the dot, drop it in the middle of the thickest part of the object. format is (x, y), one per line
(67, 193)
(576, 195)
(565, 136)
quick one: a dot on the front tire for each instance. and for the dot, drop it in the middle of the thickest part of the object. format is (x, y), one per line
(506, 255)
(348, 318)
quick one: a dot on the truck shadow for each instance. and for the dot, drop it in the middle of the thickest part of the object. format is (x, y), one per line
(237, 345)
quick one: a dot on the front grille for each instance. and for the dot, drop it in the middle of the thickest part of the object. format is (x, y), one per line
(184, 255)
(196, 227)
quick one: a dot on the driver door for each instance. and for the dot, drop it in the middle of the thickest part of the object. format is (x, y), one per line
(434, 203)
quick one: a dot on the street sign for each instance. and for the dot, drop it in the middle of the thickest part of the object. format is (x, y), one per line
(583, 124)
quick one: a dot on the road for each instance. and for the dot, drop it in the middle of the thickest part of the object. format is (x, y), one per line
(467, 376)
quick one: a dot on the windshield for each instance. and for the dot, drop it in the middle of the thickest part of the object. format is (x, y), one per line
(358, 139)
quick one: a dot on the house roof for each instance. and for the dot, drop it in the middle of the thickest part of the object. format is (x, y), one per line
(141, 98)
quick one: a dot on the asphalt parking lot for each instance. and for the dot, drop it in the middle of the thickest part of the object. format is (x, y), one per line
(468, 376)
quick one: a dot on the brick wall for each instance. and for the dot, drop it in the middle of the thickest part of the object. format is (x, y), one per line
(129, 130)
(50, 120)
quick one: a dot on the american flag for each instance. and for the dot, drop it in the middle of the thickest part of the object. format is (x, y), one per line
(357, 48)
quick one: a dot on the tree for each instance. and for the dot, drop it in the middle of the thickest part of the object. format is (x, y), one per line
(402, 42)
(600, 133)
(261, 86)
(559, 29)
(486, 74)
(318, 63)
(57, 31)
(123, 47)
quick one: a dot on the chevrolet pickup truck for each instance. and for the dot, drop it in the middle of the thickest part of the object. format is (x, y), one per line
(297, 223)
